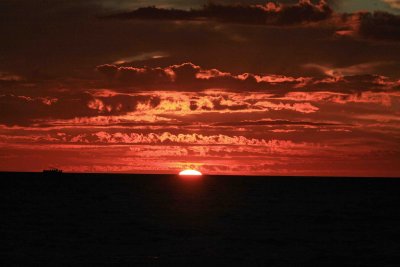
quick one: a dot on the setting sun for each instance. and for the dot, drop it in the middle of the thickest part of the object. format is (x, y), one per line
(190, 172)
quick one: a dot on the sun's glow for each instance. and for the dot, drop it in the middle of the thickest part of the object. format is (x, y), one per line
(190, 172)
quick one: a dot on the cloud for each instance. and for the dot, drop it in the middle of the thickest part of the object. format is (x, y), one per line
(9, 77)
(138, 75)
(269, 14)
(23, 110)
(150, 95)
(273, 123)
(358, 69)
(164, 138)
(145, 94)
(353, 84)
(380, 25)
(393, 3)
(190, 77)
(368, 97)
(141, 57)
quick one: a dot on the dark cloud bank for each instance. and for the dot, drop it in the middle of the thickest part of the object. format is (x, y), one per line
(377, 25)
(269, 14)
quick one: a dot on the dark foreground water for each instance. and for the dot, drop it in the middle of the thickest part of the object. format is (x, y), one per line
(151, 220)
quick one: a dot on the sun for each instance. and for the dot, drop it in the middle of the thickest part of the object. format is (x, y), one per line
(190, 172)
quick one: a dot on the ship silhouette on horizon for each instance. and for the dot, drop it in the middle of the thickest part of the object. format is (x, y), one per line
(52, 171)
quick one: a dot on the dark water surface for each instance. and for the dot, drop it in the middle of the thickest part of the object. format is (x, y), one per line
(150, 220)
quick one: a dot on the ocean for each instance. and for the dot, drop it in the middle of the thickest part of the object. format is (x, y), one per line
(167, 220)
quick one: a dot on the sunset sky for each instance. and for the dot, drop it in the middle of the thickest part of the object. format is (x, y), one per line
(224, 87)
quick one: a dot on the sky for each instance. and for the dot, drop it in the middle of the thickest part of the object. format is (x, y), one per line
(224, 87)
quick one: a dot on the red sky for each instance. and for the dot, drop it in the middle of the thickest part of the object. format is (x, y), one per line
(296, 88)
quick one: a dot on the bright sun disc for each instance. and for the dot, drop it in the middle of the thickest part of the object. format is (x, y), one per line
(190, 172)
